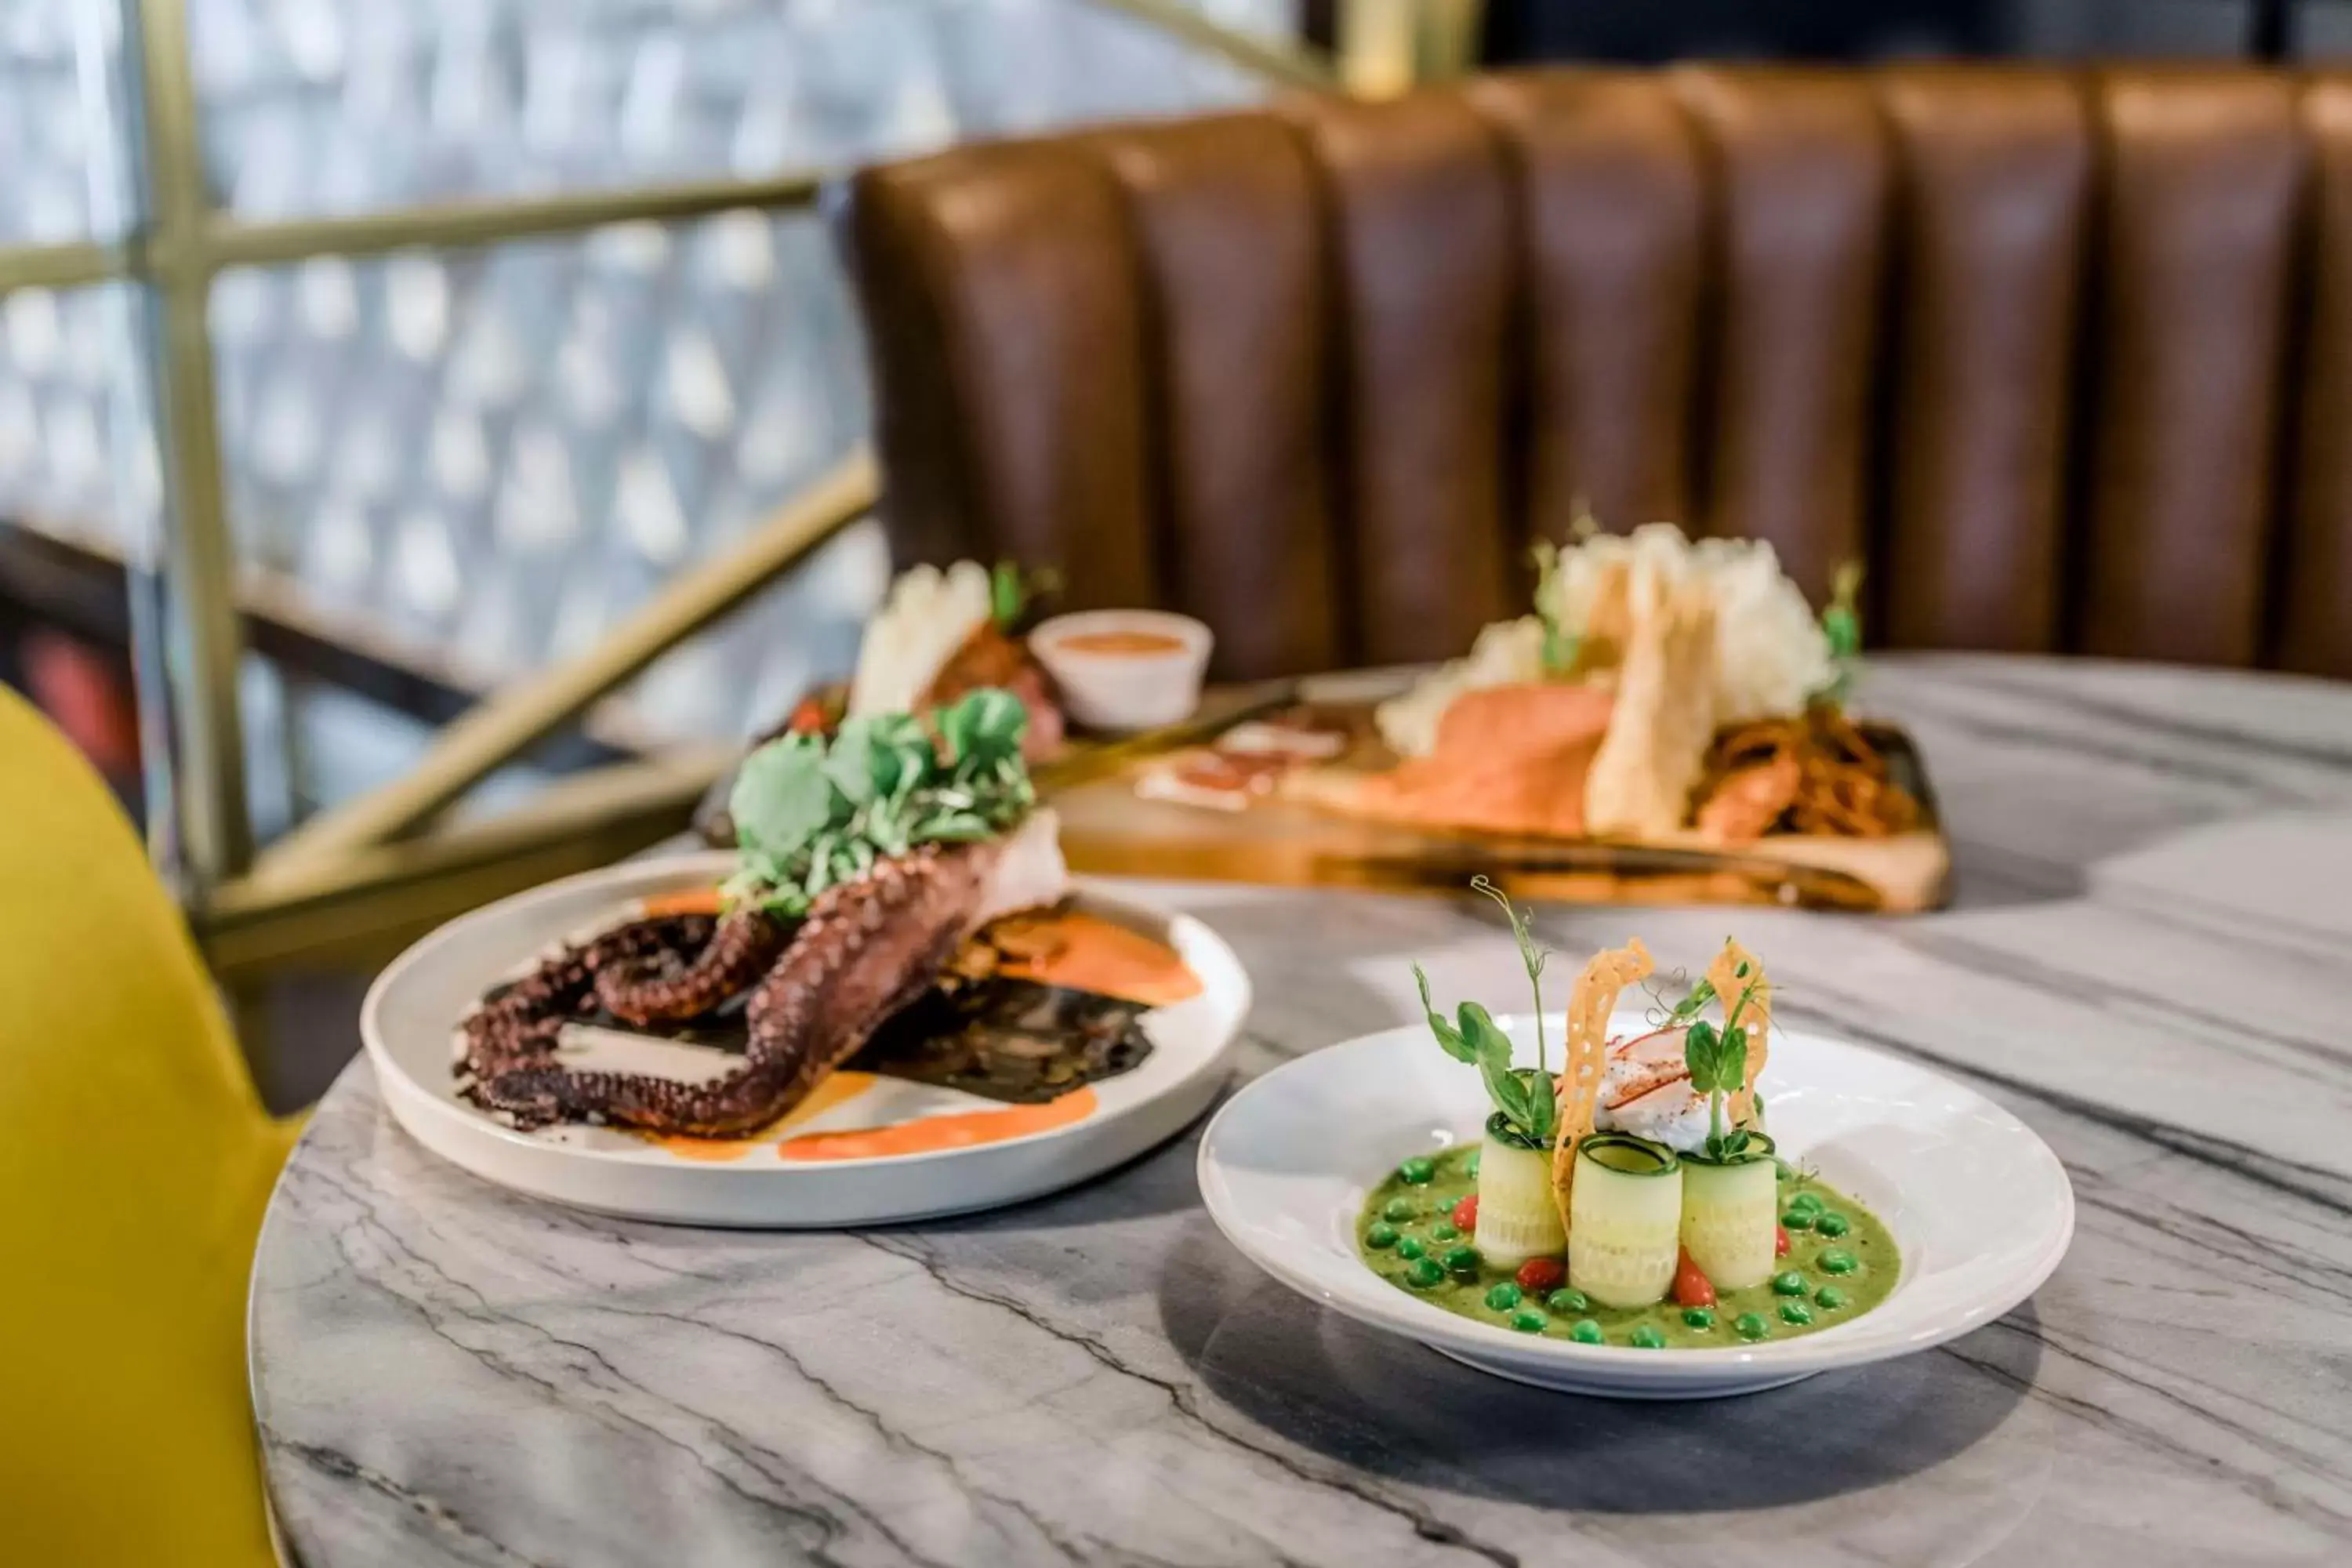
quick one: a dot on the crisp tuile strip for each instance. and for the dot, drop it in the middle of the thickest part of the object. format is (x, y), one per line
(1608, 620)
(1756, 1017)
(1639, 783)
(1590, 1006)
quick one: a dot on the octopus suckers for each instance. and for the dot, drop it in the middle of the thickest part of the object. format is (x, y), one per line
(816, 992)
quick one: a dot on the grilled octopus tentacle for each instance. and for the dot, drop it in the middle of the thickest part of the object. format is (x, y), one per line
(523, 1020)
(866, 950)
(672, 983)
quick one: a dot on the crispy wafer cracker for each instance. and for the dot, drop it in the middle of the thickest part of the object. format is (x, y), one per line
(1736, 972)
(1589, 1004)
(1608, 620)
(1641, 781)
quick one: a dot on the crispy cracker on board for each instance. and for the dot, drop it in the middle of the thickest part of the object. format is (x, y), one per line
(1589, 1004)
(1642, 777)
(1756, 1017)
(1608, 620)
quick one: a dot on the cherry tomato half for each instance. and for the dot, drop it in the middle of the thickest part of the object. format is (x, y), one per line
(1692, 1289)
(1537, 1275)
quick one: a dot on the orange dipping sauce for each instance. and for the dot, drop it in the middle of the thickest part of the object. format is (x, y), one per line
(1087, 952)
(1121, 643)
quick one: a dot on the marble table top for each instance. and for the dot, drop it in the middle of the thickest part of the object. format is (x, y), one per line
(2149, 960)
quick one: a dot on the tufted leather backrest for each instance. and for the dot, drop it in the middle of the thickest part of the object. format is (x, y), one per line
(2067, 357)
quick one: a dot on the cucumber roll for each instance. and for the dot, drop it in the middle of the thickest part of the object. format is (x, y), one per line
(1516, 1217)
(1730, 1215)
(1624, 1219)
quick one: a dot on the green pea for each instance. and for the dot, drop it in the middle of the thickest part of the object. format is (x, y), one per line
(1830, 1225)
(1648, 1338)
(1401, 1210)
(1411, 1246)
(1797, 1219)
(1751, 1325)
(1787, 1282)
(1796, 1312)
(1425, 1273)
(1585, 1331)
(1529, 1322)
(1809, 1202)
(1829, 1297)
(1564, 1301)
(1462, 1260)
(1381, 1233)
(1470, 1167)
(1502, 1297)
(1417, 1171)
(1699, 1317)
(1836, 1260)
(1442, 1231)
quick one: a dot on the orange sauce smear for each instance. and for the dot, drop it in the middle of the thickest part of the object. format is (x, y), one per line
(1131, 644)
(1087, 952)
(928, 1134)
(685, 902)
(840, 1088)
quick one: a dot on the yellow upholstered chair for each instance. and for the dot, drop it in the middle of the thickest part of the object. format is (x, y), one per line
(135, 1160)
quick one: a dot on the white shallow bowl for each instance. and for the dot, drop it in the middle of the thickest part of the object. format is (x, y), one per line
(1980, 1208)
(415, 1006)
(1124, 690)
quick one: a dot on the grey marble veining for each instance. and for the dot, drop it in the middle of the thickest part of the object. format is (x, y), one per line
(2150, 960)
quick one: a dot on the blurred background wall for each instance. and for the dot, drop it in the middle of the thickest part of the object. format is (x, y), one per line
(1872, 29)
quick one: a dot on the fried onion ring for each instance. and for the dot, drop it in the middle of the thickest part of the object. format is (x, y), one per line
(1817, 773)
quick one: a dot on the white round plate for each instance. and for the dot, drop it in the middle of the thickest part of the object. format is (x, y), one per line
(411, 1012)
(1980, 1208)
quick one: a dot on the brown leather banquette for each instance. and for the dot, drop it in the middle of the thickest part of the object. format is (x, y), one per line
(2067, 357)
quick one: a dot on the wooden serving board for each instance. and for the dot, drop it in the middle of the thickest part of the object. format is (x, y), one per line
(1107, 828)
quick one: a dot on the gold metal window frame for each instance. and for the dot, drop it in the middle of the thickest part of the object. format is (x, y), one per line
(375, 870)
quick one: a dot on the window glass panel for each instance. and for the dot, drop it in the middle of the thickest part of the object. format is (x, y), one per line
(483, 461)
(325, 106)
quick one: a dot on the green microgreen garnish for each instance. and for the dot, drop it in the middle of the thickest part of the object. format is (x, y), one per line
(1718, 1060)
(1684, 1011)
(1560, 644)
(1012, 592)
(1842, 623)
(1530, 955)
(809, 814)
(1525, 1098)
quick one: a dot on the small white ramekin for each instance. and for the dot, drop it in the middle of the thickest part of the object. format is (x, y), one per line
(1122, 691)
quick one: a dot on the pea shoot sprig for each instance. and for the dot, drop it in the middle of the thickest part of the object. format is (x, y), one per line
(1524, 1098)
(1013, 592)
(1718, 1060)
(1842, 625)
(1559, 642)
(1562, 642)
(1678, 1016)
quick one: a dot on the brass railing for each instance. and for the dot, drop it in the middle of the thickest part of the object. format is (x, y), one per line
(368, 872)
